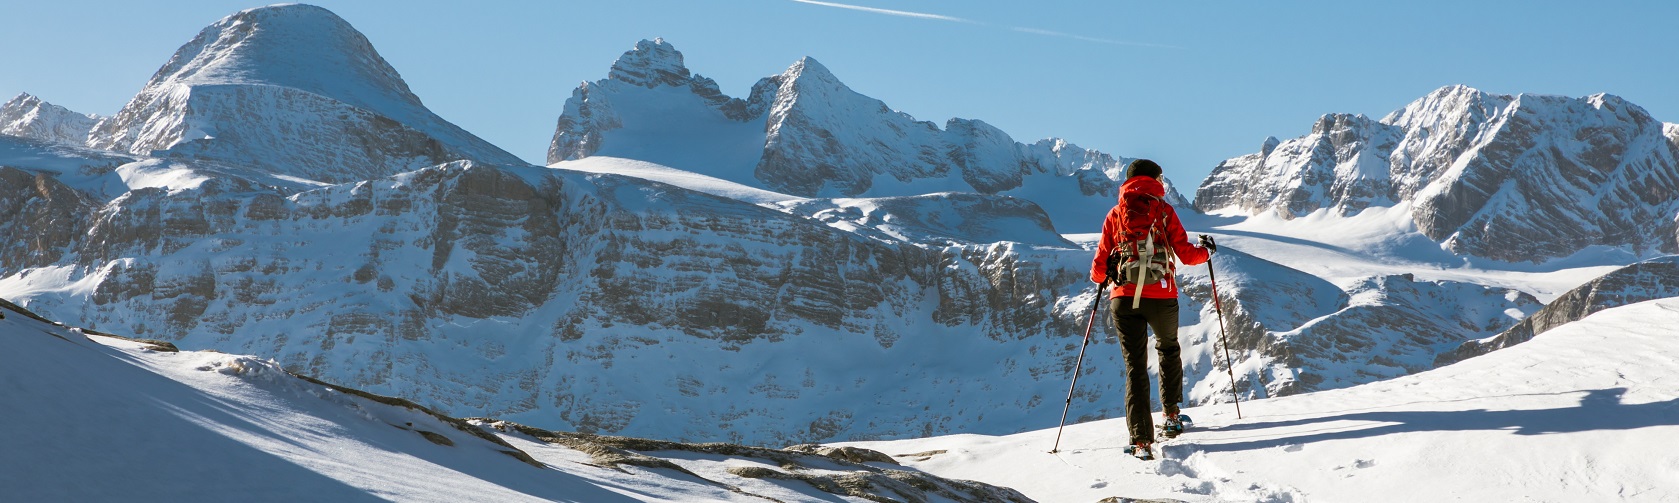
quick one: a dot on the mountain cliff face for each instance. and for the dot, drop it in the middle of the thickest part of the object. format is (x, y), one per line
(805, 133)
(28, 117)
(607, 304)
(1513, 178)
(292, 89)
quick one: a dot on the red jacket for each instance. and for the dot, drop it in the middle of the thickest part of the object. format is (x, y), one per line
(1188, 254)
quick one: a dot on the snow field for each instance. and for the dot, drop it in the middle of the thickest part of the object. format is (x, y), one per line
(1577, 414)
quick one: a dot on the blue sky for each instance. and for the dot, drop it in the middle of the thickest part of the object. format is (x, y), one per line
(1185, 83)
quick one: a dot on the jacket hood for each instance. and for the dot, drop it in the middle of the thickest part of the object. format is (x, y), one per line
(1142, 185)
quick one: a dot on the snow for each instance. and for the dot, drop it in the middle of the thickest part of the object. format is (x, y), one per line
(1573, 415)
(64, 280)
(160, 174)
(681, 178)
(1384, 240)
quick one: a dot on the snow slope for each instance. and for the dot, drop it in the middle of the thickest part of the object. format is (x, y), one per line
(98, 418)
(1580, 413)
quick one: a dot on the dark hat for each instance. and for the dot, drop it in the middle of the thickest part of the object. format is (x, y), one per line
(1142, 167)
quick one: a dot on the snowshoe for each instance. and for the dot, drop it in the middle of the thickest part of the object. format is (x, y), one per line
(1141, 451)
(1174, 425)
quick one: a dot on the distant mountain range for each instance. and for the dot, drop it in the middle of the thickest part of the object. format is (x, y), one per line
(804, 133)
(803, 264)
(1513, 178)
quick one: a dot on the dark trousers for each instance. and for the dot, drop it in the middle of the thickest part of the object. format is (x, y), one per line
(1133, 325)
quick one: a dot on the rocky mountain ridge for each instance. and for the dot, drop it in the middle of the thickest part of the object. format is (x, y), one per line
(1512, 178)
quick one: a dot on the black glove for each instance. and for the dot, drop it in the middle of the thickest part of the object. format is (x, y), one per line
(1207, 242)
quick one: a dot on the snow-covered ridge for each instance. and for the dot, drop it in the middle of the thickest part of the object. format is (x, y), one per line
(1512, 178)
(292, 89)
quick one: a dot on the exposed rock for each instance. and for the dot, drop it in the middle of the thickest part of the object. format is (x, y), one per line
(46, 218)
(814, 465)
(847, 453)
(436, 438)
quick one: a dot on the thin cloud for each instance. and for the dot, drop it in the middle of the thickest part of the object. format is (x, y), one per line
(938, 17)
(890, 12)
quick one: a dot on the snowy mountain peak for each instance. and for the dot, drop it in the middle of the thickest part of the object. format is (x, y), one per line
(808, 78)
(293, 90)
(290, 45)
(30, 117)
(650, 64)
(809, 68)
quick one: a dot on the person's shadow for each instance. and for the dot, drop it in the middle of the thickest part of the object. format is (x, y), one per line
(1598, 410)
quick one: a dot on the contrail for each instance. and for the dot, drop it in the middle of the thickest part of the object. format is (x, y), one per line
(938, 17)
(1052, 33)
(904, 13)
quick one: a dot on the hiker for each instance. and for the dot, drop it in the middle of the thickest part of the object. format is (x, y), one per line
(1145, 293)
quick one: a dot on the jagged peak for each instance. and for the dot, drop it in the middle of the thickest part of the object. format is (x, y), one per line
(808, 69)
(1602, 99)
(1331, 122)
(1446, 102)
(29, 116)
(290, 45)
(650, 64)
(1269, 145)
(26, 100)
(22, 99)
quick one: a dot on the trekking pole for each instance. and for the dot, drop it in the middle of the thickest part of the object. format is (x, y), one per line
(1218, 306)
(1092, 324)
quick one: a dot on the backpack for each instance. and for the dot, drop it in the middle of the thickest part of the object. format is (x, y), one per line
(1142, 254)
